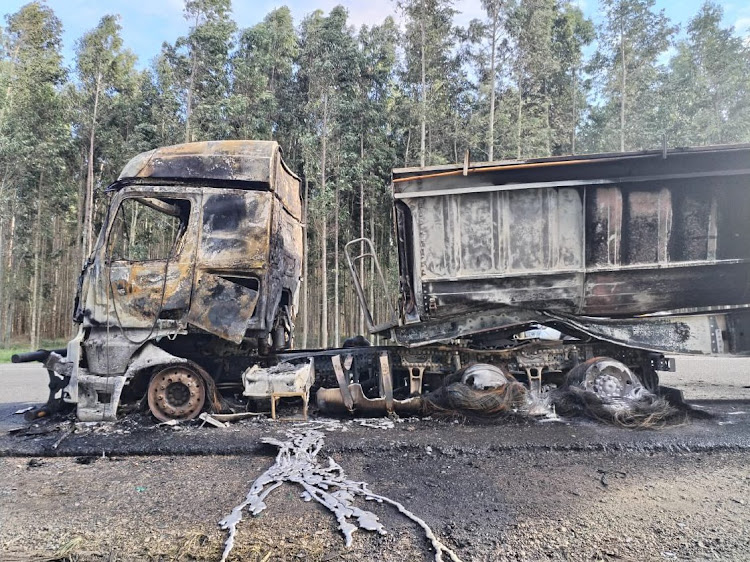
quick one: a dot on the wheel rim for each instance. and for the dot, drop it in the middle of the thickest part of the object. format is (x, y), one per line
(176, 393)
(609, 379)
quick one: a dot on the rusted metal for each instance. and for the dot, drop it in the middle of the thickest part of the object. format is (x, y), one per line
(221, 307)
(176, 392)
(386, 381)
(280, 381)
(606, 378)
(353, 261)
(252, 164)
(343, 381)
(329, 400)
(304, 396)
(632, 255)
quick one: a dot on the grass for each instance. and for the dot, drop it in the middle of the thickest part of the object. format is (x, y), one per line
(7, 352)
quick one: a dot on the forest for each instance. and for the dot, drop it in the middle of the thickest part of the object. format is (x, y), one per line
(532, 78)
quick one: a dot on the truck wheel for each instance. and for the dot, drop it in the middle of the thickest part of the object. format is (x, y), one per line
(605, 377)
(176, 393)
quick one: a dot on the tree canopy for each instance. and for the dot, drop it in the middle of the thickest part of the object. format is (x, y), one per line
(531, 78)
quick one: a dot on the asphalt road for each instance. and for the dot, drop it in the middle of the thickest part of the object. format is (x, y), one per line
(21, 386)
(571, 490)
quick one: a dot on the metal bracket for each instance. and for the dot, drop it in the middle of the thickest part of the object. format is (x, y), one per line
(386, 382)
(415, 380)
(343, 381)
(535, 382)
(275, 398)
(351, 260)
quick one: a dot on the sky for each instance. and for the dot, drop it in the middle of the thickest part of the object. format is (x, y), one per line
(147, 23)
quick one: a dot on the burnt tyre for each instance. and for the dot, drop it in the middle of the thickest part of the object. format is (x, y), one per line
(606, 390)
(606, 378)
(176, 393)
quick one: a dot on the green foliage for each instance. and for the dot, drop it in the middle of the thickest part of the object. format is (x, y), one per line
(201, 68)
(35, 145)
(346, 105)
(432, 80)
(263, 72)
(706, 99)
(631, 39)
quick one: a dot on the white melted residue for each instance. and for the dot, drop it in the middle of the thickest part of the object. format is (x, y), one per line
(297, 463)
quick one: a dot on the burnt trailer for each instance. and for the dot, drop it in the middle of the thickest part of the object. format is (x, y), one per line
(187, 302)
(648, 249)
(630, 256)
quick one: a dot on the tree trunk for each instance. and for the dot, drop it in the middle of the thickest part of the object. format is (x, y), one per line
(548, 135)
(40, 287)
(3, 292)
(2, 272)
(10, 280)
(57, 237)
(406, 150)
(324, 233)
(88, 230)
(455, 139)
(361, 329)
(81, 211)
(191, 85)
(305, 284)
(622, 86)
(423, 111)
(575, 112)
(336, 303)
(491, 132)
(520, 114)
(372, 272)
(33, 335)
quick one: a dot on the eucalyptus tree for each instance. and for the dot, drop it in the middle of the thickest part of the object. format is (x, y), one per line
(430, 66)
(35, 133)
(532, 23)
(165, 105)
(632, 38)
(706, 99)
(375, 155)
(571, 33)
(201, 67)
(103, 68)
(262, 73)
(490, 40)
(328, 67)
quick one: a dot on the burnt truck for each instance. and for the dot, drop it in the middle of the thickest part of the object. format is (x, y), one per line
(630, 256)
(199, 255)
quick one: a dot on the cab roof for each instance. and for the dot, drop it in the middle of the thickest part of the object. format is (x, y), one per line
(230, 160)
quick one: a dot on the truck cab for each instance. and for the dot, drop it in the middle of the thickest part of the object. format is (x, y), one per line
(201, 248)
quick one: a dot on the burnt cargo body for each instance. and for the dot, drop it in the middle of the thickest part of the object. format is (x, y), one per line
(201, 250)
(599, 240)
